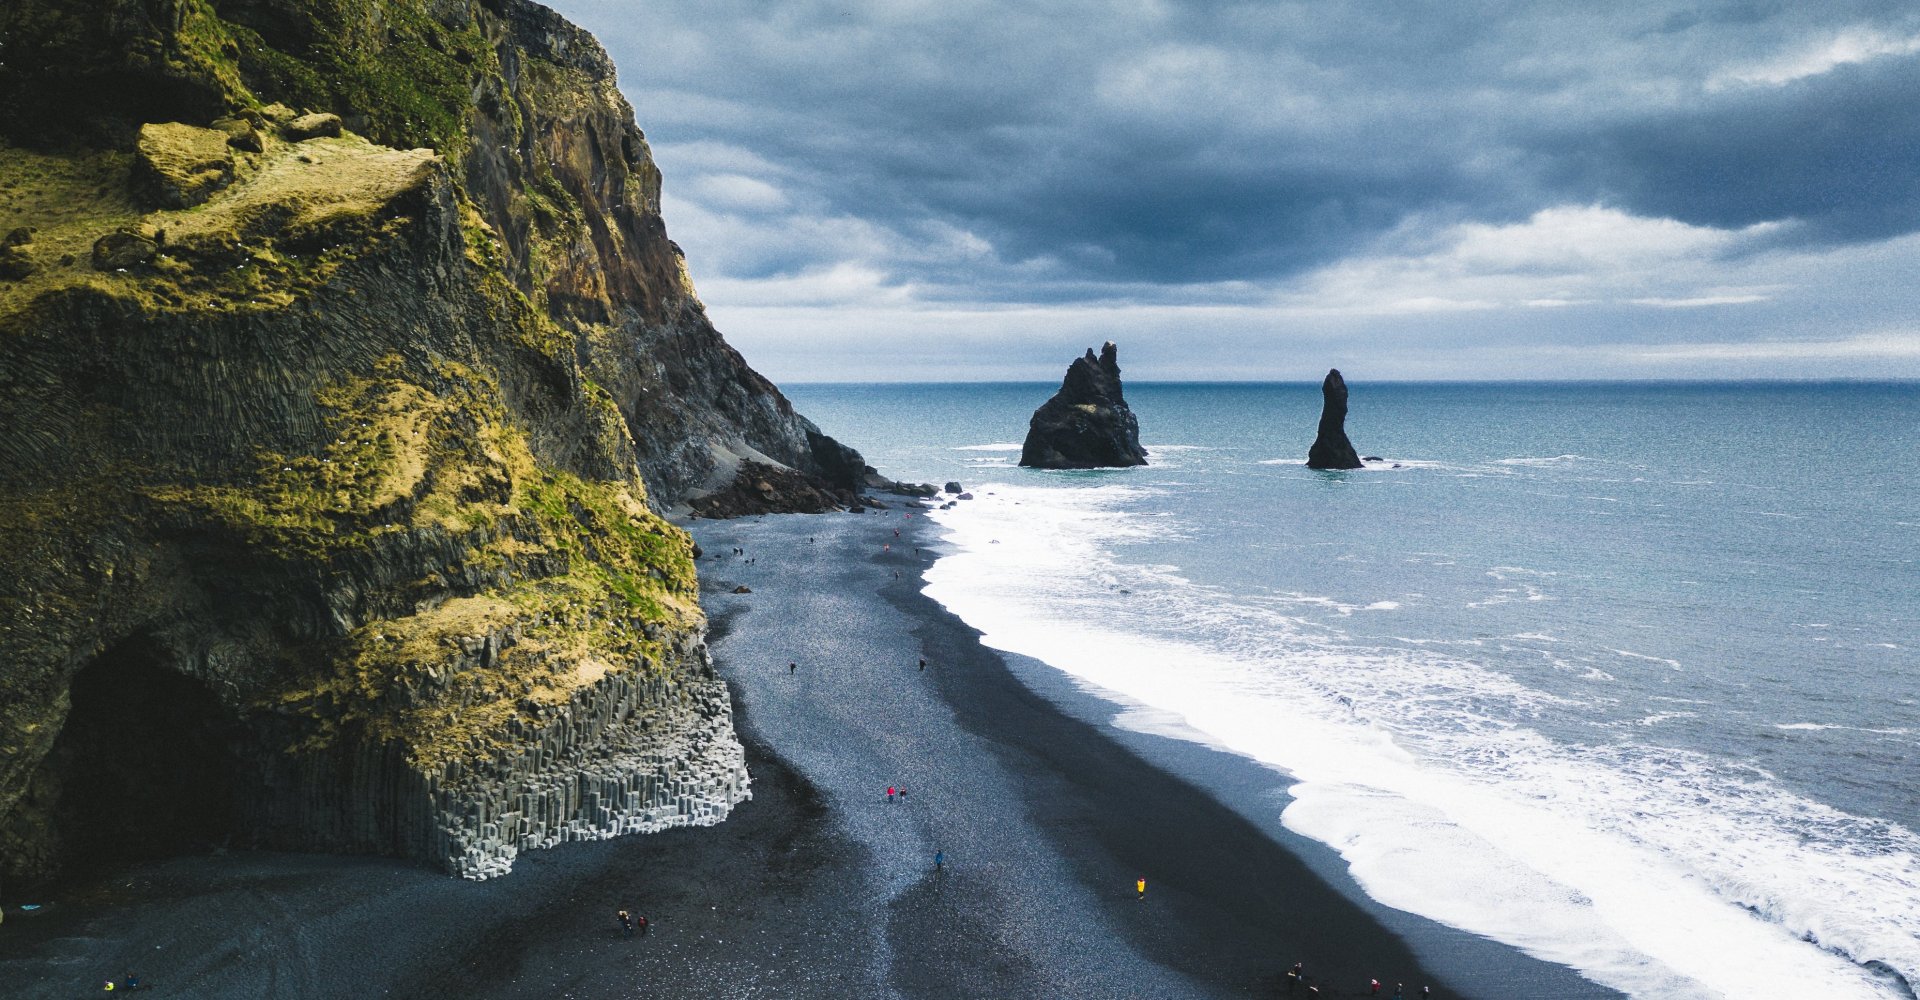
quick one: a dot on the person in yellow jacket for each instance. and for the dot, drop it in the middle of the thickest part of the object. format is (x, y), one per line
(1140, 886)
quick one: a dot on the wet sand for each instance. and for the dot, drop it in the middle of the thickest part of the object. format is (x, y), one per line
(818, 887)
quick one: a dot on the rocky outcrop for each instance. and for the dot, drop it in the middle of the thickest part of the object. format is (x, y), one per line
(351, 372)
(180, 166)
(759, 488)
(1331, 449)
(1086, 425)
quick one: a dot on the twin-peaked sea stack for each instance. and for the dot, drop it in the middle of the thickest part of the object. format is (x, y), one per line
(1331, 449)
(1086, 425)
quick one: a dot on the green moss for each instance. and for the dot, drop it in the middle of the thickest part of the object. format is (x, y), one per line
(625, 579)
(403, 71)
(206, 48)
(398, 457)
(614, 544)
(415, 680)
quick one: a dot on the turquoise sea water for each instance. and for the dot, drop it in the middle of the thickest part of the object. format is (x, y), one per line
(1622, 674)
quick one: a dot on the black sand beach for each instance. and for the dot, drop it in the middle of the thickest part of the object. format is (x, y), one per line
(818, 887)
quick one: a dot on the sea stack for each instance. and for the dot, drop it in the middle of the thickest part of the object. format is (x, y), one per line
(1332, 450)
(1086, 425)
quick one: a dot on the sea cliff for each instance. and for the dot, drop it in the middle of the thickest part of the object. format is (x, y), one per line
(347, 369)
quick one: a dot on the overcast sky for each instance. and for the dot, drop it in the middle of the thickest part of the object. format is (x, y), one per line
(972, 189)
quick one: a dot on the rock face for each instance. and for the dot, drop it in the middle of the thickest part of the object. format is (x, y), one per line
(1086, 425)
(329, 506)
(1331, 449)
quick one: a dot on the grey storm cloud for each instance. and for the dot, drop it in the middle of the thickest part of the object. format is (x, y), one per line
(1082, 146)
(1838, 154)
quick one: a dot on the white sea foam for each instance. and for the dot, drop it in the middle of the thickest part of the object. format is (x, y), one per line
(1541, 462)
(1659, 871)
(1000, 446)
(1631, 655)
(1820, 726)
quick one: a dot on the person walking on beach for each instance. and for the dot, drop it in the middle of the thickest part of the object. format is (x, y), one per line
(791, 667)
(642, 922)
(1140, 887)
(923, 663)
(626, 923)
(1397, 995)
(889, 793)
(1373, 987)
(939, 860)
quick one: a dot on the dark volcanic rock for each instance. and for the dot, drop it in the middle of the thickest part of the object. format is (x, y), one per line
(1331, 449)
(758, 488)
(1086, 425)
(955, 487)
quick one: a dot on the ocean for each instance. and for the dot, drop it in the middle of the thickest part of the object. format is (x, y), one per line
(1620, 674)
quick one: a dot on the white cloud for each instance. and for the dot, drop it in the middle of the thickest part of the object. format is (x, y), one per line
(1560, 257)
(1700, 301)
(1852, 45)
(1892, 345)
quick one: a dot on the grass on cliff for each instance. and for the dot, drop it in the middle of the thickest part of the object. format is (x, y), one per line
(410, 76)
(275, 235)
(586, 579)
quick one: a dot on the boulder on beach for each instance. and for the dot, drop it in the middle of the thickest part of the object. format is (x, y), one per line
(1086, 425)
(953, 486)
(1331, 449)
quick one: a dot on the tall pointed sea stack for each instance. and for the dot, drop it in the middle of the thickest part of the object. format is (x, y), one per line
(1332, 450)
(1086, 425)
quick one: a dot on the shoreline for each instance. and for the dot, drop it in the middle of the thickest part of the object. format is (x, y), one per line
(1236, 900)
(817, 886)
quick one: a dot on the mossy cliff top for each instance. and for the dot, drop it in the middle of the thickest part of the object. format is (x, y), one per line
(539, 145)
(344, 361)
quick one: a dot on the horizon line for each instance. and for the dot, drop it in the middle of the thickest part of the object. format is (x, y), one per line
(1772, 380)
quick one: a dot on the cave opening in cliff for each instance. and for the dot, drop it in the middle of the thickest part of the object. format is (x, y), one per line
(146, 763)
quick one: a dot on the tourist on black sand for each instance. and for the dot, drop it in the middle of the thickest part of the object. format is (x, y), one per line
(626, 922)
(1140, 887)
